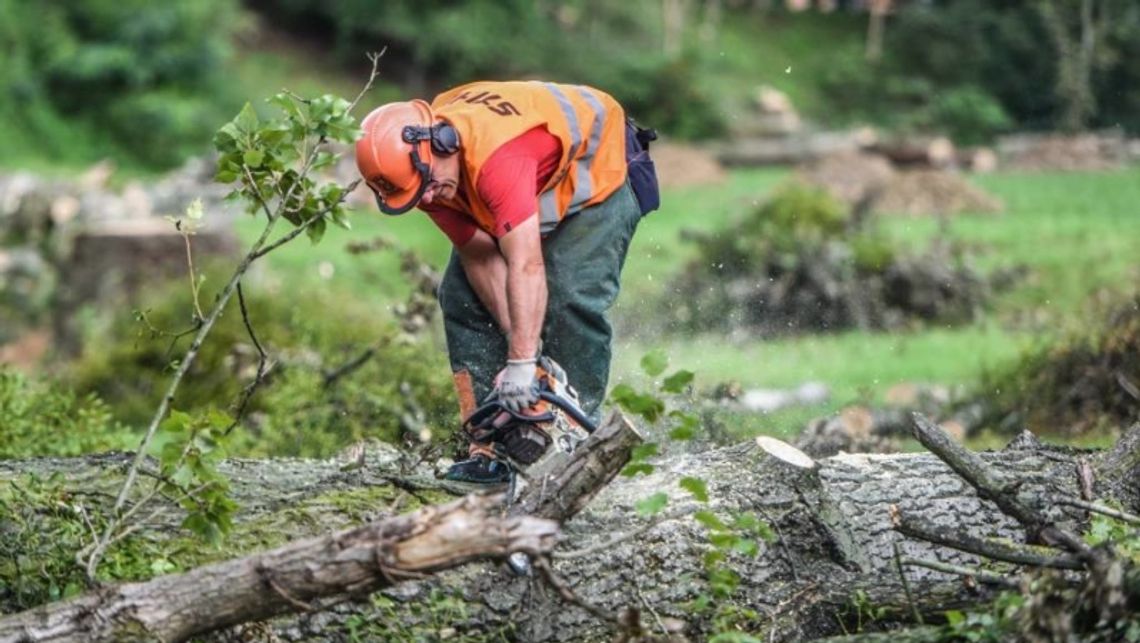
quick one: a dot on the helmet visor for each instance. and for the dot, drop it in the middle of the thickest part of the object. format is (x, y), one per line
(392, 199)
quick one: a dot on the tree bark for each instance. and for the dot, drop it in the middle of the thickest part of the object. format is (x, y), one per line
(833, 550)
(351, 562)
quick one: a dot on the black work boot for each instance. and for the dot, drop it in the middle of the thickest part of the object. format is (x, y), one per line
(480, 469)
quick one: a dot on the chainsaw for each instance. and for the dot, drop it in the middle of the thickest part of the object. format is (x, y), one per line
(538, 437)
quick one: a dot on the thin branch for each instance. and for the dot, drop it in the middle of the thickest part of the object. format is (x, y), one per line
(656, 616)
(784, 549)
(977, 574)
(263, 366)
(996, 489)
(261, 200)
(295, 232)
(906, 585)
(620, 538)
(567, 593)
(1094, 507)
(348, 367)
(193, 276)
(174, 337)
(374, 57)
(988, 547)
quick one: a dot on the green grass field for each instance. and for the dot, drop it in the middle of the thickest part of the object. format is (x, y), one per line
(1078, 235)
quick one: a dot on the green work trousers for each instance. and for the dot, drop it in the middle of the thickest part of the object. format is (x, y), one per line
(584, 257)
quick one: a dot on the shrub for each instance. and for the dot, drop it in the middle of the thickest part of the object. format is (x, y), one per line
(307, 334)
(967, 114)
(802, 263)
(1088, 382)
(41, 419)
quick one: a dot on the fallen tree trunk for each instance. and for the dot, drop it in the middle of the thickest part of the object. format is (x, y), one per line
(832, 554)
(353, 562)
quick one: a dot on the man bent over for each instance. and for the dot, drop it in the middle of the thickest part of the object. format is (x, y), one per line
(539, 187)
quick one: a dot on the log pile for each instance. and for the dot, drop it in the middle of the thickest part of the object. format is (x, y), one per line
(839, 526)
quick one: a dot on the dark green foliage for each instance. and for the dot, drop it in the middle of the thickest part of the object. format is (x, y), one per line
(42, 418)
(796, 217)
(132, 78)
(1088, 382)
(664, 94)
(972, 69)
(436, 44)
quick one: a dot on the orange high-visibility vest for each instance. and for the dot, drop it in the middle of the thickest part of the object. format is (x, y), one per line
(589, 122)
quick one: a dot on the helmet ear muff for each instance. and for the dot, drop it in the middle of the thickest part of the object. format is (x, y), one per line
(443, 137)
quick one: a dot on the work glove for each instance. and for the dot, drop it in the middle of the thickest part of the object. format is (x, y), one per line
(517, 385)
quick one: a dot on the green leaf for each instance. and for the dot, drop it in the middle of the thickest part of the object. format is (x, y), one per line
(765, 531)
(654, 362)
(622, 392)
(954, 618)
(712, 558)
(247, 120)
(316, 230)
(682, 433)
(253, 158)
(323, 160)
(176, 423)
(721, 540)
(219, 419)
(183, 477)
(287, 104)
(643, 451)
(160, 566)
(635, 468)
(695, 486)
(170, 454)
(340, 218)
(652, 505)
(710, 521)
(646, 406)
(746, 546)
(677, 382)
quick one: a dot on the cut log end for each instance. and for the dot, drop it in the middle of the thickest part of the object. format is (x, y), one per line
(785, 452)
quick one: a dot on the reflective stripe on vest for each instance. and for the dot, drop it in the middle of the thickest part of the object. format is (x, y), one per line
(548, 205)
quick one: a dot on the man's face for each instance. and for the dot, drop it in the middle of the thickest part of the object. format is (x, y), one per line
(444, 179)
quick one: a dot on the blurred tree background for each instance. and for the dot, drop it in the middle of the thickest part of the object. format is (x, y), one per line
(147, 82)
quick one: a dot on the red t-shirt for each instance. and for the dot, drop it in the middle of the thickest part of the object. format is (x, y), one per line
(509, 182)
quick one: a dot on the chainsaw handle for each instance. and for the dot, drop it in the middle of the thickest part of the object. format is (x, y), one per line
(570, 410)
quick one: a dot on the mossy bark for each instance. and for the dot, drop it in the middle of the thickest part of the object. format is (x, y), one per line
(832, 556)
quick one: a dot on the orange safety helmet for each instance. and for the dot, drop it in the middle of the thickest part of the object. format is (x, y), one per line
(394, 155)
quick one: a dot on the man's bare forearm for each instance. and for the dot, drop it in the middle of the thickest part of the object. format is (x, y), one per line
(487, 275)
(526, 287)
(526, 295)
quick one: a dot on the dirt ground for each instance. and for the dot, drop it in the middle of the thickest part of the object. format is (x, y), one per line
(870, 181)
(679, 165)
(934, 192)
(1065, 153)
